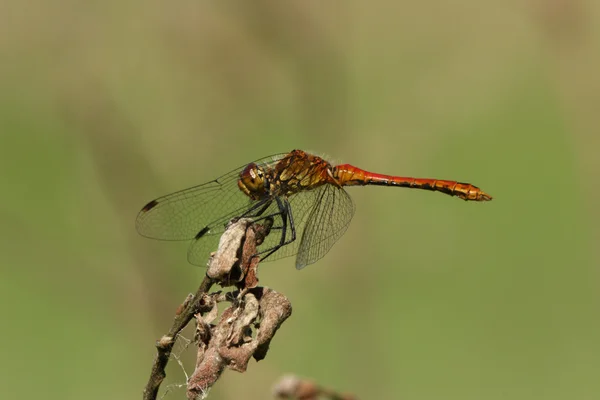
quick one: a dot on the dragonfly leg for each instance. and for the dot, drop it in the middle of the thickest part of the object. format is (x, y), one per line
(257, 217)
(292, 226)
(261, 207)
(286, 216)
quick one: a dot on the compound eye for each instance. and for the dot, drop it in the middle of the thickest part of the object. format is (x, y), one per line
(253, 179)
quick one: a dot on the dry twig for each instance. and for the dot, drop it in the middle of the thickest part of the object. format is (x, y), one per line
(244, 330)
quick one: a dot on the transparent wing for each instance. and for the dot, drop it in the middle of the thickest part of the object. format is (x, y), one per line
(321, 216)
(325, 224)
(182, 215)
(201, 247)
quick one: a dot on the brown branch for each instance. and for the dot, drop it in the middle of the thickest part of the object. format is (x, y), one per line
(244, 330)
(165, 344)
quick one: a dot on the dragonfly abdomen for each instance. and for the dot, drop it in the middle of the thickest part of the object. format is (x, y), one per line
(348, 175)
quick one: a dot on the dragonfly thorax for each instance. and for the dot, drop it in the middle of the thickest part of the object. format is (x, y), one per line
(253, 181)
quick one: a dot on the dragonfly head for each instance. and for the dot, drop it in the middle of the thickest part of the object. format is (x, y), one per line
(253, 181)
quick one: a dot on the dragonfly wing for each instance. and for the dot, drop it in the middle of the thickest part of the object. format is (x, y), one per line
(201, 247)
(325, 224)
(182, 215)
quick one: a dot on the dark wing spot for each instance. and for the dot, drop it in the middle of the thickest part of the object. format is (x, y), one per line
(203, 232)
(150, 206)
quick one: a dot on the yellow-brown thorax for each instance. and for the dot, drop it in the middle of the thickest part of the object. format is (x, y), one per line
(296, 172)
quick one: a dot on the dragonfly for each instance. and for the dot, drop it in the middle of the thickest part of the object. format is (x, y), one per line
(301, 193)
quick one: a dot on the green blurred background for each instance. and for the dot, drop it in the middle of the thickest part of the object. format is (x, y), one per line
(106, 105)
